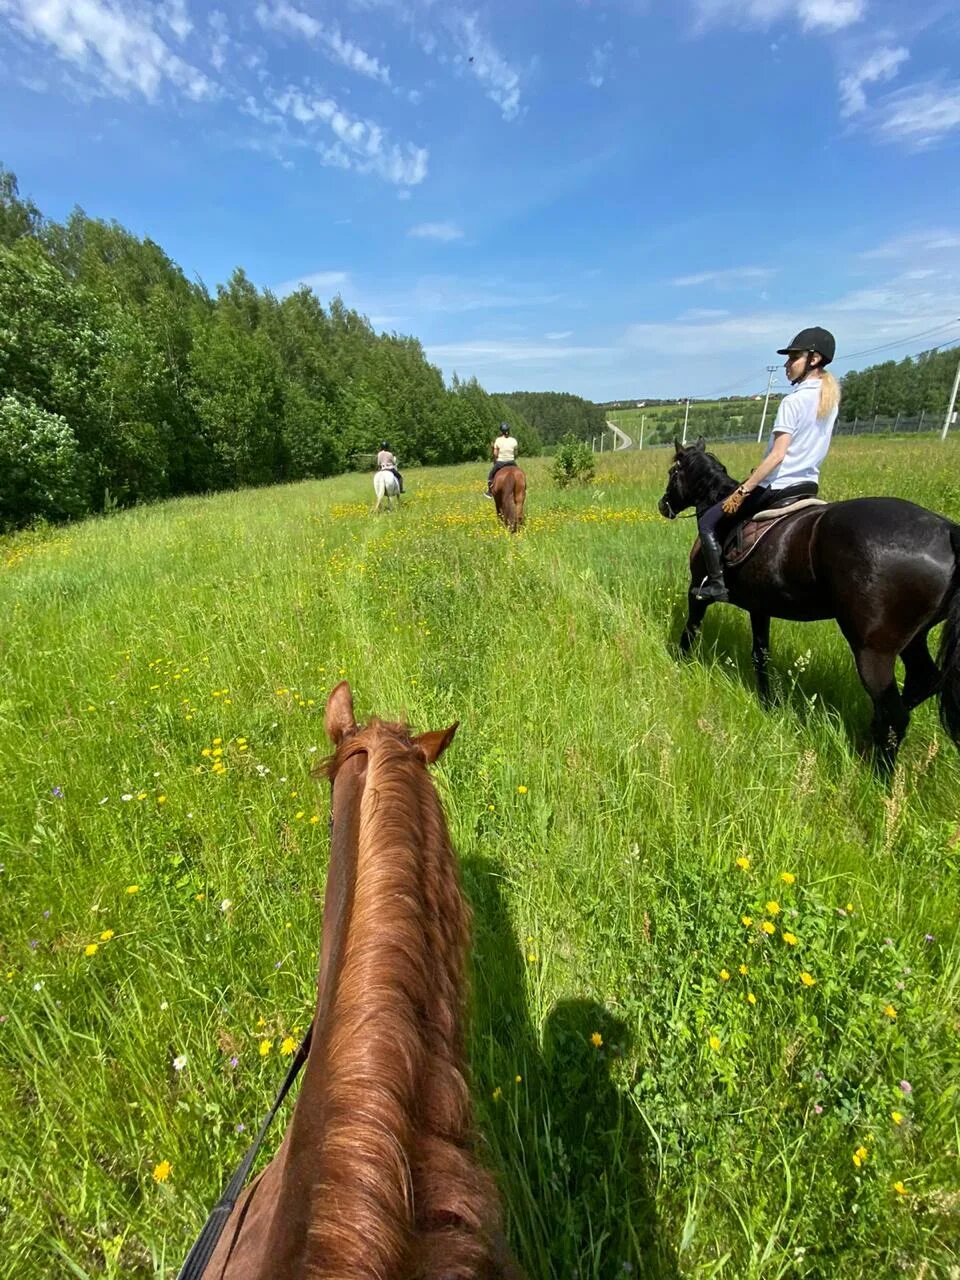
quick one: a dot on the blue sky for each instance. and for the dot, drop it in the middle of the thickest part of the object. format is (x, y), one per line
(630, 197)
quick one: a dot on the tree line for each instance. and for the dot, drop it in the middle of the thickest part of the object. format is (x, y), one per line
(555, 414)
(123, 381)
(915, 385)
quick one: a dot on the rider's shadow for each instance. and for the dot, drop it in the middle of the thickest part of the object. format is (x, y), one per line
(572, 1154)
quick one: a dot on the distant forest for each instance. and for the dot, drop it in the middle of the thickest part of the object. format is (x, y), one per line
(122, 381)
(553, 414)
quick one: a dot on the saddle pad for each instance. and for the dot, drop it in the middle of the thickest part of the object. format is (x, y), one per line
(745, 537)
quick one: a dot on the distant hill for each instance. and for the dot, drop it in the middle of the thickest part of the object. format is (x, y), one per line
(553, 413)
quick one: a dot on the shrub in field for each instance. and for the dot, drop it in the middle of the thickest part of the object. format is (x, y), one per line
(40, 465)
(573, 462)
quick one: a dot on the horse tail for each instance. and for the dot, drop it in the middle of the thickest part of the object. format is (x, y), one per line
(949, 655)
(519, 496)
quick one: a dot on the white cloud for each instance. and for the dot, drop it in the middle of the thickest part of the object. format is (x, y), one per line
(324, 282)
(442, 231)
(920, 115)
(492, 352)
(915, 242)
(122, 50)
(882, 65)
(730, 277)
(220, 41)
(500, 80)
(813, 15)
(174, 14)
(559, 336)
(360, 144)
(704, 313)
(599, 63)
(283, 17)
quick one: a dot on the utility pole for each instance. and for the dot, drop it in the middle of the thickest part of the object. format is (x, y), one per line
(953, 400)
(685, 417)
(643, 418)
(771, 369)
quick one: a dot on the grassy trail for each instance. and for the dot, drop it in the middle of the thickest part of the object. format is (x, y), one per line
(716, 964)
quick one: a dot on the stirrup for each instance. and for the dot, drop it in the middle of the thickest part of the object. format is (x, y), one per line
(714, 589)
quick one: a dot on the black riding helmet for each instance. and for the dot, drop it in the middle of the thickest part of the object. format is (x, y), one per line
(384, 445)
(504, 428)
(821, 341)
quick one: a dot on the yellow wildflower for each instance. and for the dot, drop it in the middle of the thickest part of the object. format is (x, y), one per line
(531, 958)
(743, 970)
(899, 1188)
(217, 742)
(162, 1171)
(773, 908)
(743, 863)
(265, 1047)
(787, 877)
(596, 1039)
(298, 815)
(91, 949)
(896, 1117)
(161, 799)
(315, 819)
(751, 998)
(790, 939)
(724, 976)
(850, 908)
(521, 790)
(807, 979)
(133, 888)
(860, 1156)
(768, 928)
(288, 1046)
(106, 935)
(890, 1012)
(517, 1079)
(714, 1043)
(746, 921)
(497, 1094)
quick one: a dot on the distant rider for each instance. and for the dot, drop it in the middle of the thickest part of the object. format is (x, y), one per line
(791, 466)
(387, 461)
(504, 450)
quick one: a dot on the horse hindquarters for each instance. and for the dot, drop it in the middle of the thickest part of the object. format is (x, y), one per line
(950, 653)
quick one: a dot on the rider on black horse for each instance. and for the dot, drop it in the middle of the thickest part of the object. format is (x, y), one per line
(791, 466)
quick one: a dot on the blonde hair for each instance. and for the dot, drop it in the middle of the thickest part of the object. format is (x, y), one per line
(829, 394)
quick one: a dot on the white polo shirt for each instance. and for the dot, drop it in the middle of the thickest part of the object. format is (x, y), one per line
(809, 436)
(506, 449)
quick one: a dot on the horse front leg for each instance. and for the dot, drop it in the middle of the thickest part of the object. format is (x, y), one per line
(696, 609)
(760, 624)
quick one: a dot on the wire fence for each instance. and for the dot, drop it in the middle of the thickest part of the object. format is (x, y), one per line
(877, 424)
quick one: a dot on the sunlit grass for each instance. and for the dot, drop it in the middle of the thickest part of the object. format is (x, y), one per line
(618, 815)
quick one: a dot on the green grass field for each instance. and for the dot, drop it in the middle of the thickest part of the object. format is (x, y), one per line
(763, 938)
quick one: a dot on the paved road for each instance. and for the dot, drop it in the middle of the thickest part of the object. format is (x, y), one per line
(621, 437)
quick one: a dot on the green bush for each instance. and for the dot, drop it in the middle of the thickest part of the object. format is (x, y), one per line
(573, 462)
(41, 471)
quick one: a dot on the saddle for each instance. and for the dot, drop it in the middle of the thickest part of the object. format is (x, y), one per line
(743, 539)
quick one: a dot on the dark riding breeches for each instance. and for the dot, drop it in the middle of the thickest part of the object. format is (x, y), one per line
(497, 466)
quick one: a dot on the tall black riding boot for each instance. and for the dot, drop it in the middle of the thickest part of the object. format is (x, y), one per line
(713, 586)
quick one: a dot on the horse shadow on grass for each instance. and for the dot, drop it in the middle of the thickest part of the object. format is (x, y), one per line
(572, 1154)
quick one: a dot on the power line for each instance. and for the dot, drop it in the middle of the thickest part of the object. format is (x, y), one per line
(901, 342)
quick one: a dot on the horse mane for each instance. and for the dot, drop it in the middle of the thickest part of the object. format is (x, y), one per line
(398, 1192)
(708, 479)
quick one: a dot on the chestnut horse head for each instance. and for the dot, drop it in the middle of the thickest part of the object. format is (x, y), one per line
(376, 1177)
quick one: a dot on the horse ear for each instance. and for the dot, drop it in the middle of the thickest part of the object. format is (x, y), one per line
(677, 446)
(433, 744)
(701, 444)
(338, 717)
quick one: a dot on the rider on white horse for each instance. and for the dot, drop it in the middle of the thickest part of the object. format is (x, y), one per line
(387, 461)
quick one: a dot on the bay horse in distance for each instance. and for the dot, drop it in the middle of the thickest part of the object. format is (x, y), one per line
(887, 570)
(376, 1177)
(509, 491)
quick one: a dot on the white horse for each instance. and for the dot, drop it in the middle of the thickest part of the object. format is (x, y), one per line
(386, 485)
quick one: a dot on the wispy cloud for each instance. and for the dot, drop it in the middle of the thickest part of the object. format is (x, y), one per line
(288, 20)
(359, 144)
(500, 80)
(122, 51)
(599, 64)
(813, 15)
(442, 231)
(920, 115)
(915, 243)
(879, 67)
(322, 282)
(730, 277)
(483, 354)
(219, 38)
(560, 336)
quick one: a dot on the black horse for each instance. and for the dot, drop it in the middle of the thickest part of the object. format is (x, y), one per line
(886, 569)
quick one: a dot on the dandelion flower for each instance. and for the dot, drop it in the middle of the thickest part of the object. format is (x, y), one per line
(106, 935)
(596, 1040)
(743, 970)
(746, 921)
(743, 863)
(768, 927)
(162, 1171)
(890, 1012)
(896, 1117)
(751, 998)
(790, 939)
(787, 877)
(265, 1047)
(531, 958)
(807, 979)
(497, 1094)
(517, 1079)
(521, 790)
(773, 908)
(714, 1043)
(288, 1046)
(899, 1188)
(315, 819)
(133, 888)
(860, 1156)
(161, 799)
(724, 975)
(91, 949)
